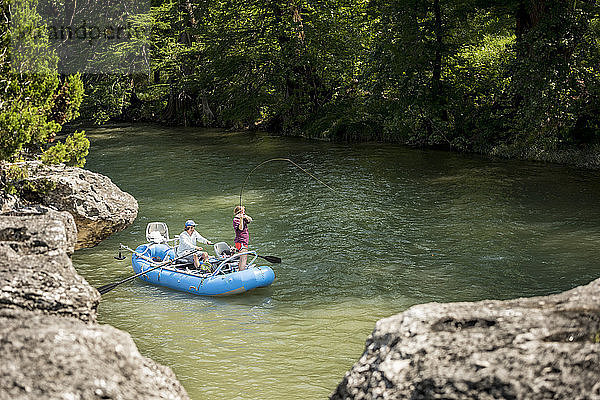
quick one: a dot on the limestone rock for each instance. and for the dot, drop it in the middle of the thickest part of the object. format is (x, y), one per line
(99, 207)
(7, 202)
(51, 348)
(48, 357)
(529, 348)
(22, 226)
(36, 272)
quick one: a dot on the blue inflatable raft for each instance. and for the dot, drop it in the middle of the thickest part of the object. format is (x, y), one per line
(223, 278)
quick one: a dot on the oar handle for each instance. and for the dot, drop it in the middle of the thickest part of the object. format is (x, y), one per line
(140, 255)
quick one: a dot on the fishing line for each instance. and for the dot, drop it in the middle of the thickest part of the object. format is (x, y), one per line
(290, 161)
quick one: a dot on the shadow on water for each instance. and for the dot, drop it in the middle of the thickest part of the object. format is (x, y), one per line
(406, 227)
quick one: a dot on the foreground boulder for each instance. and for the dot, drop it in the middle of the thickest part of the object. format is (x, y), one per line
(36, 272)
(99, 207)
(50, 344)
(48, 357)
(530, 348)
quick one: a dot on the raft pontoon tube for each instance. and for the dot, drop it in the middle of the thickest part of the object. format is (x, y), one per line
(225, 280)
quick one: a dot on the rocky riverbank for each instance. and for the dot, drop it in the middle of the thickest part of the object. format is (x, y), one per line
(530, 348)
(51, 344)
(98, 206)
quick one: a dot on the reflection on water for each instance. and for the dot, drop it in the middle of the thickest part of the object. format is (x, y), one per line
(405, 227)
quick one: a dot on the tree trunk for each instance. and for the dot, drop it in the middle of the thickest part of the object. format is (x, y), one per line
(437, 61)
(528, 15)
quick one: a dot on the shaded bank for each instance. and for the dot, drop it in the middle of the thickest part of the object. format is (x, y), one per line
(465, 75)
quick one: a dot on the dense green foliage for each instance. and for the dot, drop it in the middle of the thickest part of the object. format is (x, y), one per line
(35, 101)
(465, 74)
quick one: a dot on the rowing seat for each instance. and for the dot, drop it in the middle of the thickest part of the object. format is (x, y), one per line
(160, 227)
(222, 250)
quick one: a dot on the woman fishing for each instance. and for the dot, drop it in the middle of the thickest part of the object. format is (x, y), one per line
(241, 220)
(242, 236)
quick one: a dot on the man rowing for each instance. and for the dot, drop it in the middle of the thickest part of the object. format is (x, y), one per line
(187, 242)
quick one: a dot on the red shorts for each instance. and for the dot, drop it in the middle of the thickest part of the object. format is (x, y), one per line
(240, 246)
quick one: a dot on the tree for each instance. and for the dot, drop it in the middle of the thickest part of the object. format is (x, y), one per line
(474, 75)
(35, 101)
(244, 63)
(555, 73)
(464, 74)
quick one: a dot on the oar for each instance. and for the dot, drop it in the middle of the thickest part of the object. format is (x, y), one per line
(271, 259)
(107, 288)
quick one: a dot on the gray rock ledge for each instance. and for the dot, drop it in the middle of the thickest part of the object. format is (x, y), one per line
(36, 272)
(50, 344)
(528, 348)
(98, 206)
(49, 357)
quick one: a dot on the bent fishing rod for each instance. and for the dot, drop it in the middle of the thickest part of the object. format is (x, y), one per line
(290, 161)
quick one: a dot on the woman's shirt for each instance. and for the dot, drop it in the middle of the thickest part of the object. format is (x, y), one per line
(241, 235)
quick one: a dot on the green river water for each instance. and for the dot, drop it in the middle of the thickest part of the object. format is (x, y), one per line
(404, 227)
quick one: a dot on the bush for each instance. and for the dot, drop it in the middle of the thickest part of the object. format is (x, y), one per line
(72, 152)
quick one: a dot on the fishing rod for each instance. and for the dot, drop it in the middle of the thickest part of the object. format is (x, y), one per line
(282, 159)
